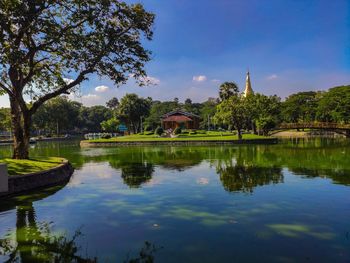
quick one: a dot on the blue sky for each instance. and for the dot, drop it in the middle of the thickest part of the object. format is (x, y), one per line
(288, 46)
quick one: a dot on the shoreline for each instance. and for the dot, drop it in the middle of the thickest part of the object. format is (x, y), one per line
(19, 184)
(304, 134)
(86, 143)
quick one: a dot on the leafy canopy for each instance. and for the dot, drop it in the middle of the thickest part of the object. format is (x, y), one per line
(48, 47)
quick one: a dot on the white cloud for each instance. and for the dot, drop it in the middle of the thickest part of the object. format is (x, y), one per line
(90, 96)
(148, 80)
(151, 80)
(67, 80)
(272, 77)
(102, 88)
(215, 80)
(199, 78)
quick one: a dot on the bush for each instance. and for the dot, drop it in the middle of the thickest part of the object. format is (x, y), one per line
(177, 131)
(159, 131)
(148, 128)
(193, 132)
(106, 136)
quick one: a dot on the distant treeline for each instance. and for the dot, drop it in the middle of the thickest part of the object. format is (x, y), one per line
(65, 116)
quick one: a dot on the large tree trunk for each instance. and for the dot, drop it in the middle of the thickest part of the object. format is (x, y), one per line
(21, 131)
(254, 128)
(239, 133)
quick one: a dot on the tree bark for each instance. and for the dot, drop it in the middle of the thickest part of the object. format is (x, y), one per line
(239, 133)
(254, 128)
(21, 130)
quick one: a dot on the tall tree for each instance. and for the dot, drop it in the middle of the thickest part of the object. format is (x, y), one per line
(300, 106)
(263, 111)
(113, 103)
(157, 110)
(43, 42)
(90, 118)
(228, 89)
(57, 115)
(232, 111)
(334, 105)
(131, 109)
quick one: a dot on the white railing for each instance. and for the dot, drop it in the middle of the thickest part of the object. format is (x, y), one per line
(99, 135)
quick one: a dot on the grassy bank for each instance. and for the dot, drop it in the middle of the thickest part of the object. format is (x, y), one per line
(210, 136)
(20, 167)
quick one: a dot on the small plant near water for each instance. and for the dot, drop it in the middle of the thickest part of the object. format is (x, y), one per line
(177, 131)
(106, 136)
(159, 131)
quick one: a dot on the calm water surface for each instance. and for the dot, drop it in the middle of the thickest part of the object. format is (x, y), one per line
(259, 203)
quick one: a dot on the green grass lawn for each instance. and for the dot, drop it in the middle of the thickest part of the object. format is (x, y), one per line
(209, 136)
(18, 167)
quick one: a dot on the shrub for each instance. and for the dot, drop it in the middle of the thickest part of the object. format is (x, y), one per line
(159, 131)
(193, 132)
(106, 136)
(148, 128)
(177, 131)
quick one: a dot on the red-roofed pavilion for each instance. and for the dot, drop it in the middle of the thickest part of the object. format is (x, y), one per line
(182, 119)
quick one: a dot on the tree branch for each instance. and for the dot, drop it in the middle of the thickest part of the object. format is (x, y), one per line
(8, 91)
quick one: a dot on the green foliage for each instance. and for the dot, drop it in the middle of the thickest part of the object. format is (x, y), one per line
(159, 131)
(228, 89)
(148, 128)
(57, 114)
(263, 112)
(301, 106)
(5, 119)
(208, 108)
(232, 111)
(41, 42)
(334, 105)
(72, 36)
(110, 125)
(177, 131)
(70, 116)
(193, 132)
(90, 118)
(106, 136)
(131, 109)
(113, 103)
(157, 110)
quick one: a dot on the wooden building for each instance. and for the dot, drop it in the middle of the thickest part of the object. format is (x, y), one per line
(179, 118)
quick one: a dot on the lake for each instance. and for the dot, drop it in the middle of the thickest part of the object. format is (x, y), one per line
(288, 202)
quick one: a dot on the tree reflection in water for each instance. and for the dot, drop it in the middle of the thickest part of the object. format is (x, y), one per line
(33, 241)
(135, 174)
(246, 178)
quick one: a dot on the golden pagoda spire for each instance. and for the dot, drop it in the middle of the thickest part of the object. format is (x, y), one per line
(248, 86)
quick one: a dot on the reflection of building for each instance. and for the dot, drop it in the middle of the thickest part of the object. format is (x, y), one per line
(179, 118)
